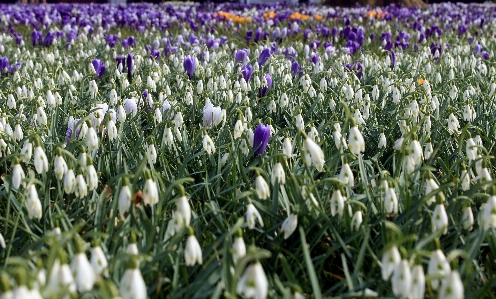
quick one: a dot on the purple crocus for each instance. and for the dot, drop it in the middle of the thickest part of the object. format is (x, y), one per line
(189, 66)
(36, 37)
(99, 67)
(241, 56)
(4, 64)
(393, 59)
(261, 139)
(48, 41)
(263, 90)
(129, 64)
(248, 35)
(264, 57)
(246, 72)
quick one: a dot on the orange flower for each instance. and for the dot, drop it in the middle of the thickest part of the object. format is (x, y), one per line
(269, 15)
(318, 17)
(420, 81)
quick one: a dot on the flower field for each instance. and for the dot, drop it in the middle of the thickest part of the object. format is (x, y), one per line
(233, 151)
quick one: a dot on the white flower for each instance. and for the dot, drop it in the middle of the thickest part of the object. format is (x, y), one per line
(402, 279)
(253, 283)
(430, 185)
(471, 149)
(440, 219)
(40, 160)
(239, 249)
(355, 141)
(212, 116)
(60, 167)
(168, 138)
(193, 252)
(382, 141)
(287, 148)
(337, 203)
(81, 189)
(33, 203)
(488, 213)
(339, 141)
(111, 130)
(41, 117)
(132, 285)
(238, 129)
(18, 134)
(83, 272)
(69, 181)
(113, 97)
(484, 176)
(262, 188)
(300, 124)
(182, 216)
(438, 266)
(453, 124)
(65, 278)
(91, 177)
(452, 287)
(208, 144)
(289, 225)
(314, 153)
(150, 192)
(389, 260)
(469, 113)
(251, 215)
(92, 139)
(416, 151)
(356, 220)
(346, 175)
(428, 150)
(17, 176)
(278, 174)
(151, 154)
(417, 289)
(2, 241)
(124, 200)
(98, 260)
(121, 113)
(391, 201)
(467, 218)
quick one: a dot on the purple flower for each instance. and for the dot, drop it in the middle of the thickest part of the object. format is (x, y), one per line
(393, 59)
(189, 66)
(258, 34)
(129, 64)
(264, 57)
(295, 67)
(261, 139)
(248, 35)
(4, 64)
(241, 56)
(145, 94)
(36, 37)
(48, 41)
(246, 72)
(263, 90)
(99, 67)
(355, 67)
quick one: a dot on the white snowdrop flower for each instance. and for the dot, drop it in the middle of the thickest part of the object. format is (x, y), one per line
(238, 129)
(337, 203)
(252, 215)
(132, 285)
(289, 225)
(438, 266)
(91, 139)
(157, 116)
(248, 115)
(375, 93)
(178, 134)
(168, 138)
(150, 192)
(69, 181)
(83, 272)
(11, 102)
(471, 149)
(50, 99)
(452, 287)
(469, 113)
(98, 260)
(355, 141)
(416, 151)
(244, 147)
(239, 249)
(81, 189)
(271, 108)
(339, 141)
(93, 89)
(323, 84)
(199, 87)
(253, 283)
(287, 148)
(430, 185)
(91, 177)
(178, 119)
(208, 144)
(40, 160)
(278, 174)
(402, 279)
(299, 123)
(488, 213)
(346, 175)
(313, 134)
(382, 141)
(121, 113)
(193, 251)
(2, 242)
(18, 134)
(467, 218)
(390, 259)
(8, 130)
(41, 117)
(356, 220)
(427, 124)
(151, 154)
(33, 203)
(182, 216)
(223, 160)
(349, 93)
(314, 154)
(262, 188)
(453, 124)
(111, 130)
(428, 150)
(391, 201)
(124, 199)
(332, 105)
(17, 175)
(60, 167)
(417, 289)
(453, 93)
(465, 180)
(113, 97)
(484, 176)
